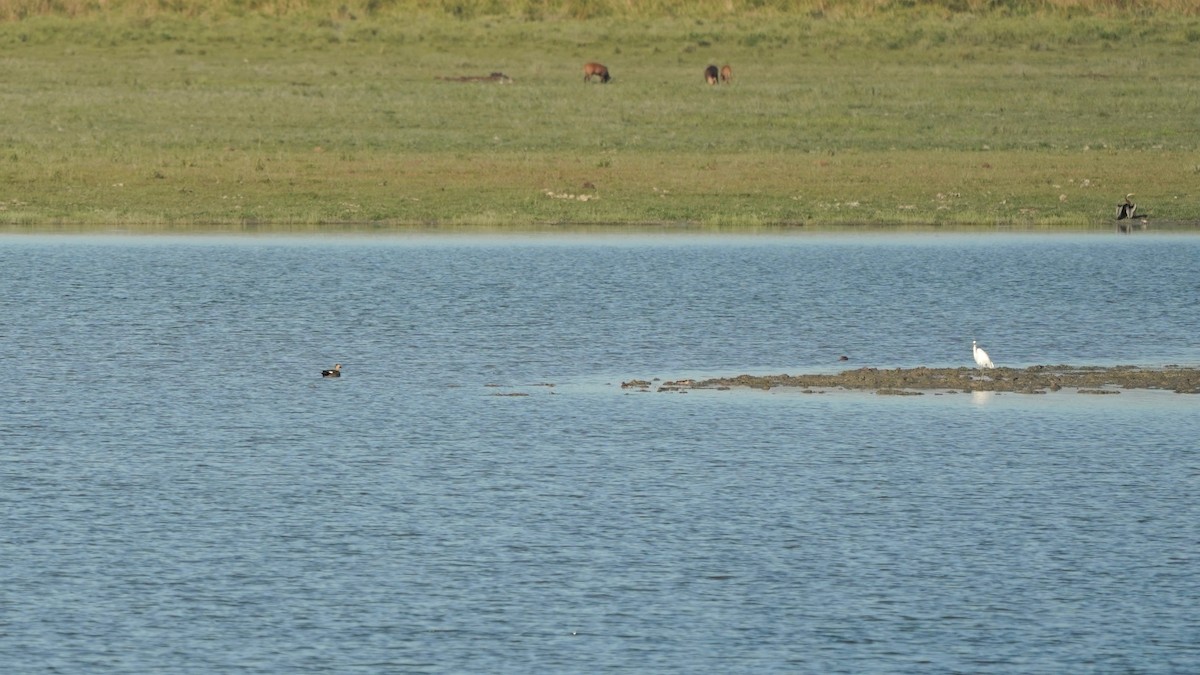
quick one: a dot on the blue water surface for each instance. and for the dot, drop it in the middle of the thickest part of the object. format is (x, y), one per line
(181, 492)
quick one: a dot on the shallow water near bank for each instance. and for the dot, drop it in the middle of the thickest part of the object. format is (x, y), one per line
(183, 492)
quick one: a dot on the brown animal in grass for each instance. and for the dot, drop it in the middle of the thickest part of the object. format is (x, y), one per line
(710, 74)
(727, 74)
(597, 70)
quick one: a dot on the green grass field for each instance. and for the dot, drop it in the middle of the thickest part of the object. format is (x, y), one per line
(338, 118)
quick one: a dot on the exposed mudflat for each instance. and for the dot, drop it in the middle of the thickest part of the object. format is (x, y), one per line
(907, 381)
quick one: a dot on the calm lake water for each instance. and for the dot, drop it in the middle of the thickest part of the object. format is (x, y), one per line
(180, 491)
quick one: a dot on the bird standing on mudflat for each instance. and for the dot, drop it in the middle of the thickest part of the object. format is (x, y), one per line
(981, 357)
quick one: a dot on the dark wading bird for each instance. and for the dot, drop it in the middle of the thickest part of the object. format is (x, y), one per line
(1126, 209)
(336, 371)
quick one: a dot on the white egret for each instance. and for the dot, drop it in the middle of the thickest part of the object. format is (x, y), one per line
(981, 357)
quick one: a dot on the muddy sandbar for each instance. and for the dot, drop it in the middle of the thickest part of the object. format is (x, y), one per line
(1031, 380)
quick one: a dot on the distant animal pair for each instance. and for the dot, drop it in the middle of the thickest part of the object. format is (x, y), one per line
(711, 74)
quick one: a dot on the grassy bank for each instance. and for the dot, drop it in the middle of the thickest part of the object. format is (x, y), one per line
(539, 10)
(928, 117)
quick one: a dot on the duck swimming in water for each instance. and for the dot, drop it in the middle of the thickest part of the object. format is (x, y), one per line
(336, 371)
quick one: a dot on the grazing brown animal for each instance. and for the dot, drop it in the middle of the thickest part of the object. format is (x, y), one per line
(710, 74)
(596, 69)
(727, 74)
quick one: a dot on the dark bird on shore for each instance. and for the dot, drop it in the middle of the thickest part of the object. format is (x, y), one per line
(336, 371)
(1126, 209)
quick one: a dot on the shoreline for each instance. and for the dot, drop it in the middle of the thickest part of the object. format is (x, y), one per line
(383, 229)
